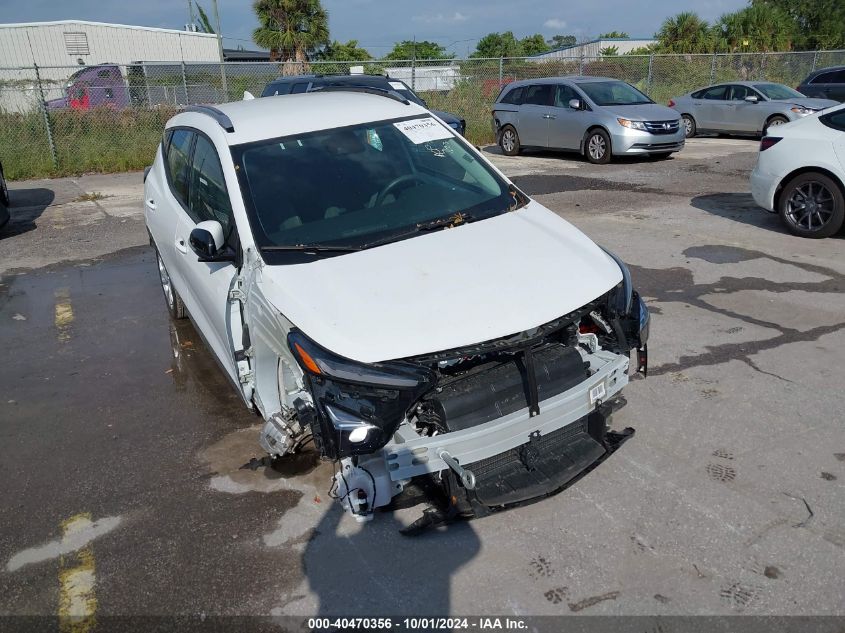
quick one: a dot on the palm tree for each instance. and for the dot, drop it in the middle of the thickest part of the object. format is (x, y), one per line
(685, 33)
(292, 30)
(758, 28)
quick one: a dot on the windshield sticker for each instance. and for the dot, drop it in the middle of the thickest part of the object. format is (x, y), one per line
(423, 130)
(396, 85)
(374, 140)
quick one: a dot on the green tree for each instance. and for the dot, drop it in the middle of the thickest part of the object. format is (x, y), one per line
(349, 52)
(293, 30)
(562, 41)
(684, 33)
(408, 49)
(617, 35)
(533, 45)
(756, 28)
(819, 24)
(609, 51)
(498, 45)
(205, 23)
(643, 50)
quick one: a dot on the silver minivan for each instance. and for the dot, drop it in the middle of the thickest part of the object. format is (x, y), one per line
(595, 116)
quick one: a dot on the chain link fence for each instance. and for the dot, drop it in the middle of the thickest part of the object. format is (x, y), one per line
(105, 118)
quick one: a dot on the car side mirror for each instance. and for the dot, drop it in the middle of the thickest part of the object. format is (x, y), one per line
(206, 241)
(752, 99)
(576, 104)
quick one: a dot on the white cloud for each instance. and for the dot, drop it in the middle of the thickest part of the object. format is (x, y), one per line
(554, 23)
(455, 17)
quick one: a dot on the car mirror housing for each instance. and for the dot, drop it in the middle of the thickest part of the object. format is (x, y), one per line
(576, 104)
(206, 241)
(752, 99)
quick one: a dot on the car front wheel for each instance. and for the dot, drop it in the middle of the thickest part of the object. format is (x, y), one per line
(689, 125)
(509, 141)
(597, 147)
(812, 205)
(174, 302)
(774, 122)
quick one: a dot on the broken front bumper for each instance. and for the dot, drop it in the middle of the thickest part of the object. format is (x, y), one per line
(410, 455)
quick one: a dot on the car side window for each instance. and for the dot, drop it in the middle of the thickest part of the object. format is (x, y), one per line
(717, 93)
(825, 78)
(838, 77)
(563, 95)
(514, 97)
(738, 93)
(209, 197)
(299, 88)
(538, 95)
(178, 155)
(836, 120)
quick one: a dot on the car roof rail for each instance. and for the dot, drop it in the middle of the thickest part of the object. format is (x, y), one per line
(222, 119)
(381, 92)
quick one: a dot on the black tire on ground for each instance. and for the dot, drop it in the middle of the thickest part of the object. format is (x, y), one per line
(690, 127)
(171, 297)
(774, 122)
(597, 147)
(509, 141)
(4, 190)
(812, 205)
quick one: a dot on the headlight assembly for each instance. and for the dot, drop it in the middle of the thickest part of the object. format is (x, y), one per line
(633, 125)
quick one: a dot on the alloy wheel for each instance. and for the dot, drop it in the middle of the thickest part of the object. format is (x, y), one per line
(508, 140)
(687, 126)
(596, 147)
(811, 206)
(166, 284)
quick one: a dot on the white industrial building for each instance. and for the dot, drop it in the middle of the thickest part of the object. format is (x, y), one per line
(593, 48)
(59, 48)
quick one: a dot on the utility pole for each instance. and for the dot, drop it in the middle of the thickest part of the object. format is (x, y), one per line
(191, 13)
(220, 50)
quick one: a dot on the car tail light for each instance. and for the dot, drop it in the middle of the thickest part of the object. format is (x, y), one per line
(671, 103)
(768, 141)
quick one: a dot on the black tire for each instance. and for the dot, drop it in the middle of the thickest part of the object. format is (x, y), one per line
(509, 141)
(171, 297)
(597, 147)
(774, 122)
(824, 197)
(4, 190)
(690, 128)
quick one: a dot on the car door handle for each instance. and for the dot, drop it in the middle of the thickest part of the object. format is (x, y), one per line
(549, 116)
(181, 246)
(151, 204)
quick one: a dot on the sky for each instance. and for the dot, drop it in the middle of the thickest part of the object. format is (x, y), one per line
(377, 24)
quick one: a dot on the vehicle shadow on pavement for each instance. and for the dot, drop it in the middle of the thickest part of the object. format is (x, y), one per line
(367, 569)
(739, 207)
(26, 207)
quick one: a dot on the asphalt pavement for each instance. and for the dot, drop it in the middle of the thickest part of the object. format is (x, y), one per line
(121, 443)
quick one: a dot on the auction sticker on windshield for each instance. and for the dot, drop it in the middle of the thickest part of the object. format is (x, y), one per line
(423, 130)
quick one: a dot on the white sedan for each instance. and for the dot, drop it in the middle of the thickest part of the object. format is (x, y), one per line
(367, 278)
(800, 174)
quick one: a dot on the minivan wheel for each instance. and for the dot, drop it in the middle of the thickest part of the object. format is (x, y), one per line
(689, 125)
(812, 205)
(597, 147)
(774, 122)
(509, 141)
(174, 302)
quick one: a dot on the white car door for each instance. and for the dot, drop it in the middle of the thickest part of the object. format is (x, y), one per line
(205, 286)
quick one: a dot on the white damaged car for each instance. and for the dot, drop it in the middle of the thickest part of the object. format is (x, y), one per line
(366, 277)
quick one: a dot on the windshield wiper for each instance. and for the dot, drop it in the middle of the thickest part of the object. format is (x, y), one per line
(456, 219)
(317, 248)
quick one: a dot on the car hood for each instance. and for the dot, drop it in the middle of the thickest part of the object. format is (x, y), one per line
(447, 117)
(807, 102)
(443, 290)
(644, 112)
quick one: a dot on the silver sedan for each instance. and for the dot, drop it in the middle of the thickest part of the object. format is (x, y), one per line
(743, 107)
